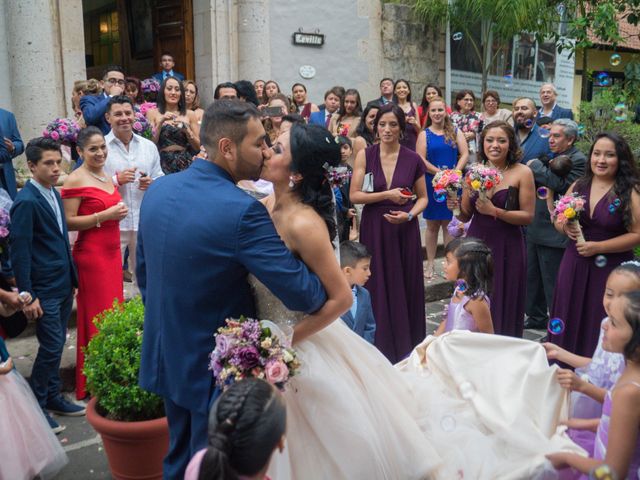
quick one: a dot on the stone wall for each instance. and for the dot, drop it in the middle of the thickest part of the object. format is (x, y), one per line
(410, 50)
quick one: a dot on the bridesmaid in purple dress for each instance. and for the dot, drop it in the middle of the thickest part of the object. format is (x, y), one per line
(402, 97)
(390, 231)
(611, 188)
(499, 221)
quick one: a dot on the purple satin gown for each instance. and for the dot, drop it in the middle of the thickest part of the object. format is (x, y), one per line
(410, 136)
(397, 283)
(506, 242)
(580, 285)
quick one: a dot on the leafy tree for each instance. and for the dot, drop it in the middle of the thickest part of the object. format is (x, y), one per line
(497, 20)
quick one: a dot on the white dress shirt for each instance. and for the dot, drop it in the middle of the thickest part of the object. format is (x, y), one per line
(142, 154)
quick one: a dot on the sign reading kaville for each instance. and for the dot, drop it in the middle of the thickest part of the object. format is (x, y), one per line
(308, 39)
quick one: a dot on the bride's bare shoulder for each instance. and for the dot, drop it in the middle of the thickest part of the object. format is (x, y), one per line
(304, 223)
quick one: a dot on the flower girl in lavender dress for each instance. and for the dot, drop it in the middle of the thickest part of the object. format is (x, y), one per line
(617, 442)
(593, 377)
(469, 264)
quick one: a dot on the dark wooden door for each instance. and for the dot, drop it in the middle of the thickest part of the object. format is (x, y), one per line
(173, 33)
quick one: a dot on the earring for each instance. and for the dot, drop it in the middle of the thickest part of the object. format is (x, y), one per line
(291, 182)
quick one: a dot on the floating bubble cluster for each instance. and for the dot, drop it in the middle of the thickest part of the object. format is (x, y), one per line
(556, 326)
(461, 286)
(544, 133)
(467, 391)
(440, 196)
(602, 79)
(456, 37)
(615, 59)
(528, 123)
(601, 261)
(448, 423)
(508, 80)
(581, 129)
(620, 111)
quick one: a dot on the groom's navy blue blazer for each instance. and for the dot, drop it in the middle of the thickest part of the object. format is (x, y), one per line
(40, 253)
(199, 236)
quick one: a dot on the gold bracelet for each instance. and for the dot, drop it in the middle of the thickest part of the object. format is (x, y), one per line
(97, 220)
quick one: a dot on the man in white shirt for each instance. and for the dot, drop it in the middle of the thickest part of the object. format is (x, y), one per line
(133, 163)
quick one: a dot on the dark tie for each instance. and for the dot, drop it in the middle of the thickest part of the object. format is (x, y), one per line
(326, 122)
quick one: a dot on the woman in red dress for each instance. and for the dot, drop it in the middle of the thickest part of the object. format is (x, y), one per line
(92, 205)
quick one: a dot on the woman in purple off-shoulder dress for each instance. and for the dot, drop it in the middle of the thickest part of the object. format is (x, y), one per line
(389, 229)
(499, 221)
(611, 188)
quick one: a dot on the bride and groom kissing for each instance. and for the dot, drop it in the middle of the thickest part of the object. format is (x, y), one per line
(207, 251)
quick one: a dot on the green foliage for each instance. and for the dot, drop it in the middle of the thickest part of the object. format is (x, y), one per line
(599, 115)
(113, 361)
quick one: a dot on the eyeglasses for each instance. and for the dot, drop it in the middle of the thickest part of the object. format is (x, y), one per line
(115, 81)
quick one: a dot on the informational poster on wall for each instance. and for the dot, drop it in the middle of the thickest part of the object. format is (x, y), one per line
(517, 69)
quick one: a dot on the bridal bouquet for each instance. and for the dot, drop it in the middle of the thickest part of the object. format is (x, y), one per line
(63, 130)
(250, 348)
(567, 210)
(150, 89)
(482, 178)
(449, 181)
(142, 127)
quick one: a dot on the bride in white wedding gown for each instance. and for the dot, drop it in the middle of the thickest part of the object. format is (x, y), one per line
(479, 406)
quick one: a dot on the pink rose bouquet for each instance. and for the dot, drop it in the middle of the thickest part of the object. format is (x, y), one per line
(482, 178)
(567, 210)
(142, 127)
(146, 106)
(449, 181)
(250, 348)
(63, 130)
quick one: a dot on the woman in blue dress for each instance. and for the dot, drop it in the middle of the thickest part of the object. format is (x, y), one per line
(442, 146)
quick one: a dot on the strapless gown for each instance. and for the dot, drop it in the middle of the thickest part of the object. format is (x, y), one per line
(353, 415)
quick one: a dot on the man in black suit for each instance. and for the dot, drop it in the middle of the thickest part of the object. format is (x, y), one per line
(43, 266)
(545, 246)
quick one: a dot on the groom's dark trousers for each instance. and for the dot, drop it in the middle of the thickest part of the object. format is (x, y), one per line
(199, 237)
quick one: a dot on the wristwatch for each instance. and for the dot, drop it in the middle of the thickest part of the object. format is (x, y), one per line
(409, 217)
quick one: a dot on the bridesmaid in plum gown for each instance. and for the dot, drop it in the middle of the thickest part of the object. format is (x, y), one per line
(611, 188)
(390, 231)
(93, 206)
(499, 221)
(402, 96)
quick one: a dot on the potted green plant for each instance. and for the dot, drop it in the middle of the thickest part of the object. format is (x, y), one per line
(129, 419)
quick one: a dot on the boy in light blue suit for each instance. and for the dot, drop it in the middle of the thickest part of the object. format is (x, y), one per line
(355, 260)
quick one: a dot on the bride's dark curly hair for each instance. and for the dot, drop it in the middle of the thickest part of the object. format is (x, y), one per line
(311, 147)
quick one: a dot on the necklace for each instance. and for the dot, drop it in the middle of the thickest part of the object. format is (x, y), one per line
(97, 177)
(500, 169)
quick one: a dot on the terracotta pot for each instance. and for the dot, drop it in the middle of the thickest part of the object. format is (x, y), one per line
(135, 450)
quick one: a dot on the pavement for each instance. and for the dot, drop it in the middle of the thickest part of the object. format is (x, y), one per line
(87, 460)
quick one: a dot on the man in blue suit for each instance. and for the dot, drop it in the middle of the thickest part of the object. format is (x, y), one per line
(95, 106)
(199, 237)
(167, 63)
(43, 266)
(332, 100)
(549, 108)
(10, 147)
(528, 134)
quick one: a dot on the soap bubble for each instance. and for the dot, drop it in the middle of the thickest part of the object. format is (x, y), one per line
(528, 123)
(245, 22)
(542, 193)
(612, 209)
(448, 423)
(440, 196)
(601, 261)
(615, 59)
(461, 286)
(508, 80)
(616, 202)
(467, 391)
(544, 133)
(602, 472)
(603, 79)
(561, 9)
(457, 36)
(556, 326)
(581, 129)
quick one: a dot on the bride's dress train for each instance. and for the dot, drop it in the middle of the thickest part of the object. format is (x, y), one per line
(486, 407)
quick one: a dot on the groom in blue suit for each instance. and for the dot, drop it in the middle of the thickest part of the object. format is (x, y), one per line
(199, 237)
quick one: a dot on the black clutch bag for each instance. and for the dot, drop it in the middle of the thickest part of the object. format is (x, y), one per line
(513, 199)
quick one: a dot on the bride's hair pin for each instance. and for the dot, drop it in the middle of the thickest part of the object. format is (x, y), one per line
(336, 176)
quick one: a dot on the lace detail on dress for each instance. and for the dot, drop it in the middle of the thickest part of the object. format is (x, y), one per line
(269, 307)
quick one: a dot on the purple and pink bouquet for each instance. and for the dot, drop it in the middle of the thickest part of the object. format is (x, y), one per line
(150, 89)
(142, 127)
(146, 106)
(449, 181)
(250, 348)
(567, 210)
(482, 178)
(63, 130)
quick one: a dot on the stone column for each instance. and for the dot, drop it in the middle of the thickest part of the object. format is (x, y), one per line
(71, 28)
(254, 40)
(215, 44)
